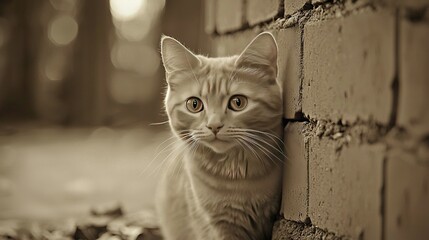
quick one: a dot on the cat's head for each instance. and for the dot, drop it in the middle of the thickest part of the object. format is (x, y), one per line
(221, 102)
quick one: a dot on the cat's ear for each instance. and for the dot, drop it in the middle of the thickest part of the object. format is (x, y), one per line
(260, 53)
(177, 57)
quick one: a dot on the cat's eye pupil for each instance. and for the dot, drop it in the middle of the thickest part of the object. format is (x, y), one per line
(194, 105)
(237, 101)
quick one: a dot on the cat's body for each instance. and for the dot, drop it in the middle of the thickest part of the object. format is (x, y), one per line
(224, 182)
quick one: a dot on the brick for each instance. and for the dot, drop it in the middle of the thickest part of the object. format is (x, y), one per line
(232, 44)
(258, 11)
(295, 178)
(407, 197)
(229, 15)
(292, 6)
(414, 75)
(289, 66)
(345, 188)
(349, 67)
(210, 16)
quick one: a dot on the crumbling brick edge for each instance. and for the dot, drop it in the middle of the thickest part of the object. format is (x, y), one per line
(292, 230)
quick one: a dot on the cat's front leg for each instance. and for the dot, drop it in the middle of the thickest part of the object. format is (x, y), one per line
(172, 208)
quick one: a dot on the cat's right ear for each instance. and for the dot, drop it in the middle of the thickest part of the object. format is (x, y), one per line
(177, 57)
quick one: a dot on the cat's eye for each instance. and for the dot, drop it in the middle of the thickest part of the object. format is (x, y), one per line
(237, 102)
(194, 105)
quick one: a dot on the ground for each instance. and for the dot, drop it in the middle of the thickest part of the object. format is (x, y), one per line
(59, 174)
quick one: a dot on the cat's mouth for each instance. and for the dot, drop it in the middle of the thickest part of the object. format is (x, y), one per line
(218, 137)
(219, 143)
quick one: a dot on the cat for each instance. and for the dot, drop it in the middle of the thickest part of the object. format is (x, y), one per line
(226, 112)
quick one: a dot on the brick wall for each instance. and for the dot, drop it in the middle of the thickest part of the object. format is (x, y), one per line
(355, 75)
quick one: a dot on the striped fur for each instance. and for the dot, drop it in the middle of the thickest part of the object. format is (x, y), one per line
(229, 187)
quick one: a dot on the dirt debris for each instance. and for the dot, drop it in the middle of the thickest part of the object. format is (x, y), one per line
(103, 223)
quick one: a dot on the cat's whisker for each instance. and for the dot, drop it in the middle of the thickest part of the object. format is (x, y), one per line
(262, 148)
(176, 148)
(157, 155)
(256, 137)
(171, 162)
(177, 167)
(201, 136)
(172, 137)
(265, 149)
(273, 161)
(251, 149)
(281, 149)
(159, 123)
(261, 161)
(163, 150)
(177, 151)
(257, 131)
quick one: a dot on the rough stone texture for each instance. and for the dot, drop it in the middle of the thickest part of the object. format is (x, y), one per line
(349, 67)
(407, 196)
(291, 230)
(295, 181)
(345, 188)
(210, 16)
(261, 11)
(292, 6)
(414, 76)
(233, 44)
(289, 44)
(229, 15)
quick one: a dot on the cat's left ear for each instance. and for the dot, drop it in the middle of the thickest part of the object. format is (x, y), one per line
(260, 53)
(177, 57)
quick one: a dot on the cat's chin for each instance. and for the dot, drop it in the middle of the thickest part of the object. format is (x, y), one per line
(219, 146)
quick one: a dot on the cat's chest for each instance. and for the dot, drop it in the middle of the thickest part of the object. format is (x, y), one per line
(212, 190)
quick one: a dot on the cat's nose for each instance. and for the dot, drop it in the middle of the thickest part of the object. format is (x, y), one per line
(215, 127)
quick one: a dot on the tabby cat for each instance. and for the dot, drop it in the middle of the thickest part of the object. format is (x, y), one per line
(226, 113)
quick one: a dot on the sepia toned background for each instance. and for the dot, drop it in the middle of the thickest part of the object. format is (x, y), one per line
(82, 124)
(81, 88)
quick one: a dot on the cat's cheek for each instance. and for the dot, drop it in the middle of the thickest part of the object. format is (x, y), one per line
(182, 120)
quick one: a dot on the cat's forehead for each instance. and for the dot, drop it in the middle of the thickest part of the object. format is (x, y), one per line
(218, 64)
(216, 73)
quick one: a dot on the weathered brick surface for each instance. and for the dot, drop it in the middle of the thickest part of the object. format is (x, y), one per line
(210, 16)
(345, 188)
(292, 6)
(260, 11)
(229, 15)
(232, 44)
(295, 182)
(290, 230)
(349, 67)
(289, 44)
(343, 68)
(413, 106)
(407, 197)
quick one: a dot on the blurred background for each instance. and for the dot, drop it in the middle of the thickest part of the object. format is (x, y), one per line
(81, 83)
